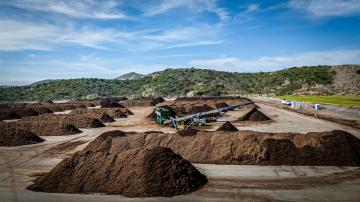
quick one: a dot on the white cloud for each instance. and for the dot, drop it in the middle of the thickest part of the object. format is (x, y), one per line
(272, 63)
(196, 6)
(22, 35)
(252, 7)
(36, 36)
(78, 9)
(187, 36)
(324, 8)
(19, 36)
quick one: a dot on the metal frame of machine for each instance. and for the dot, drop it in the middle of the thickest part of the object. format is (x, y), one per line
(163, 116)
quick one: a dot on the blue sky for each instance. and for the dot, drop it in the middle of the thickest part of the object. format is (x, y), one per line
(49, 39)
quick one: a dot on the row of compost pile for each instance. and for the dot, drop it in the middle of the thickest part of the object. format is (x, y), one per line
(332, 148)
(143, 101)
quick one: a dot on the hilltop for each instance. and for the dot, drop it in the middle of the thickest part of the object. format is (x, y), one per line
(129, 76)
(316, 80)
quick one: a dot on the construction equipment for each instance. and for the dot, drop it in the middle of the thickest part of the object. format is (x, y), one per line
(163, 116)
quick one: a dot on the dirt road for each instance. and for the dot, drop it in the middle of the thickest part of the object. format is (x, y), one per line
(19, 165)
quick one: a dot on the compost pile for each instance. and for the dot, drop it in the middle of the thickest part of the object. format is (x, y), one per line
(133, 173)
(79, 121)
(187, 132)
(143, 101)
(98, 112)
(94, 113)
(110, 102)
(185, 109)
(212, 101)
(254, 115)
(6, 114)
(333, 148)
(43, 127)
(11, 136)
(46, 101)
(41, 110)
(227, 126)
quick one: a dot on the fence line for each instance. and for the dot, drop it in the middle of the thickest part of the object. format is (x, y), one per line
(350, 112)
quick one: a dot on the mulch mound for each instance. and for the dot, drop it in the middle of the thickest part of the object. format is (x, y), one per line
(15, 137)
(187, 132)
(94, 113)
(46, 101)
(79, 121)
(143, 101)
(41, 110)
(333, 148)
(254, 115)
(219, 105)
(132, 173)
(110, 102)
(198, 108)
(8, 114)
(100, 112)
(227, 126)
(24, 112)
(44, 127)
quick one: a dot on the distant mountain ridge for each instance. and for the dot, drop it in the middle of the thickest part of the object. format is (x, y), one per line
(44, 81)
(130, 76)
(314, 80)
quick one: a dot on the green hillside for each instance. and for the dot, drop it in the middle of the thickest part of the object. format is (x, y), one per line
(179, 82)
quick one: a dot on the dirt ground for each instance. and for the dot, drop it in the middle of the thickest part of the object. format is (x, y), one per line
(20, 165)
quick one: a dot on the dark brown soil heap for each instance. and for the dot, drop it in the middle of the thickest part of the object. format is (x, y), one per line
(79, 121)
(54, 108)
(132, 173)
(219, 105)
(110, 102)
(143, 101)
(103, 142)
(24, 112)
(79, 106)
(187, 132)
(16, 137)
(254, 115)
(112, 112)
(211, 101)
(94, 113)
(198, 108)
(47, 101)
(334, 148)
(66, 106)
(227, 126)
(8, 114)
(42, 110)
(44, 127)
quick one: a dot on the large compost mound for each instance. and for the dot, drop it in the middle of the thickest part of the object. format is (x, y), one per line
(99, 112)
(43, 127)
(132, 173)
(79, 121)
(15, 137)
(8, 114)
(254, 115)
(334, 148)
(143, 101)
(227, 126)
(94, 113)
(110, 102)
